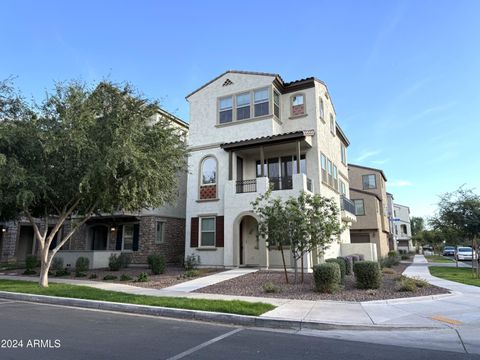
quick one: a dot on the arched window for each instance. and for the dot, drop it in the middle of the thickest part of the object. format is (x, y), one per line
(209, 171)
(208, 178)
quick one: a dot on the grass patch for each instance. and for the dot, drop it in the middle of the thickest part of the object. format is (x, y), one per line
(85, 292)
(461, 275)
(438, 259)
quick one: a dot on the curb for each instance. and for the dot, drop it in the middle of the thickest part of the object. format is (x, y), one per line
(208, 316)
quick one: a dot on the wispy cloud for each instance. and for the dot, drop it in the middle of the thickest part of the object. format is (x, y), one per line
(380, 161)
(367, 154)
(399, 183)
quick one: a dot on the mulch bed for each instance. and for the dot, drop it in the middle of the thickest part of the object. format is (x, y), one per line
(171, 276)
(252, 285)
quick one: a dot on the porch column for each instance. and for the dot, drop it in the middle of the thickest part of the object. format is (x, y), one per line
(263, 249)
(230, 165)
(298, 156)
(262, 160)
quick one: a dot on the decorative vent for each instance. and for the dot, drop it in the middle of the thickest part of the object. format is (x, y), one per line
(227, 82)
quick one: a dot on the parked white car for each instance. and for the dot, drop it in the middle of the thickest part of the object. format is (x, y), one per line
(465, 253)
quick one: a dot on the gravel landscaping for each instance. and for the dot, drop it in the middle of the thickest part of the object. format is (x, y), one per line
(173, 275)
(253, 285)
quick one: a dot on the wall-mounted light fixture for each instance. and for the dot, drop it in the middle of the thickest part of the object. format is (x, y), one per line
(112, 229)
(4, 229)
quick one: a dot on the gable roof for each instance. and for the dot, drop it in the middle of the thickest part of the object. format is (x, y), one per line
(370, 168)
(366, 193)
(283, 86)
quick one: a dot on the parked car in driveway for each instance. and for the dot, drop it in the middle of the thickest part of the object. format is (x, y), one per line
(448, 251)
(465, 253)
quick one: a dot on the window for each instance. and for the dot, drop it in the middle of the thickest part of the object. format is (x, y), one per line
(335, 178)
(343, 150)
(225, 108)
(343, 188)
(323, 160)
(321, 109)
(160, 233)
(243, 106)
(330, 172)
(127, 237)
(209, 171)
(207, 231)
(369, 182)
(403, 227)
(332, 124)
(276, 104)
(298, 105)
(359, 207)
(261, 102)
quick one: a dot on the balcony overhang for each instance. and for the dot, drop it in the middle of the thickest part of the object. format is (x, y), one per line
(304, 136)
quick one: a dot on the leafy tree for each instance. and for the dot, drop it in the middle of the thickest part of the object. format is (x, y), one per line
(459, 214)
(418, 224)
(305, 223)
(80, 152)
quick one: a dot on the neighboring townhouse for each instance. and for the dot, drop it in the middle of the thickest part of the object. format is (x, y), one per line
(151, 231)
(403, 230)
(368, 192)
(392, 239)
(250, 131)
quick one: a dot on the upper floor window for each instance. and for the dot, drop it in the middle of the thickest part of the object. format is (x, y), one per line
(343, 150)
(321, 109)
(261, 101)
(343, 188)
(276, 104)
(332, 124)
(359, 207)
(335, 178)
(403, 227)
(369, 182)
(226, 110)
(330, 172)
(243, 106)
(209, 171)
(323, 161)
(298, 105)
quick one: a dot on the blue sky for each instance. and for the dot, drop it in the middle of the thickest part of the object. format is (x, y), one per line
(404, 75)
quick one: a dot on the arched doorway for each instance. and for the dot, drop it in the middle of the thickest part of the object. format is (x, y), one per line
(249, 243)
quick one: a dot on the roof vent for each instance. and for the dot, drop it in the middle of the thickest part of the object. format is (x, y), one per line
(227, 82)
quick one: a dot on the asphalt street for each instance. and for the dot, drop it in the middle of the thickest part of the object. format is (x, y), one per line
(54, 332)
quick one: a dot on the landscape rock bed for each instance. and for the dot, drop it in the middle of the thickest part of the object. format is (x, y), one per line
(252, 285)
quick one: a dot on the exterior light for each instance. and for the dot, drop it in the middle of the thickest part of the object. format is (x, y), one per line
(4, 229)
(112, 229)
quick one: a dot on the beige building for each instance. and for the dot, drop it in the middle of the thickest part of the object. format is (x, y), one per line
(368, 192)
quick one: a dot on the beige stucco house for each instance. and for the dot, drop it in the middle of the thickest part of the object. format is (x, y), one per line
(368, 192)
(249, 131)
(402, 228)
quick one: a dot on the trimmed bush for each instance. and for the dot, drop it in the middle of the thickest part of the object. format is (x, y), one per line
(31, 262)
(93, 276)
(57, 264)
(191, 262)
(117, 262)
(62, 272)
(389, 261)
(343, 267)
(125, 260)
(367, 274)
(327, 277)
(270, 288)
(81, 266)
(349, 263)
(392, 253)
(156, 263)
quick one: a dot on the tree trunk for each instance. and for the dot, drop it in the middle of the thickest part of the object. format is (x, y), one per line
(46, 261)
(284, 264)
(295, 267)
(302, 268)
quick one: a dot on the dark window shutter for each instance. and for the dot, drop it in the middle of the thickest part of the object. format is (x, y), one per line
(194, 232)
(118, 245)
(136, 236)
(219, 232)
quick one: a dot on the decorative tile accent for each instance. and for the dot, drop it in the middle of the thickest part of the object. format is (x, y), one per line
(208, 192)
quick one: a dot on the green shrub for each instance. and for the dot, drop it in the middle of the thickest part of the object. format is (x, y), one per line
(406, 284)
(114, 263)
(125, 277)
(142, 277)
(389, 261)
(191, 262)
(270, 287)
(93, 276)
(343, 267)
(349, 264)
(389, 271)
(125, 259)
(327, 277)
(81, 266)
(62, 272)
(156, 263)
(367, 274)
(110, 277)
(57, 264)
(405, 257)
(392, 253)
(31, 262)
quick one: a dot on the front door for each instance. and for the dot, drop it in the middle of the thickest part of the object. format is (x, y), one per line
(249, 249)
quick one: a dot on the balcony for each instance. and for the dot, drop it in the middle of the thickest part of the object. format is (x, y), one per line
(347, 209)
(298, 182)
